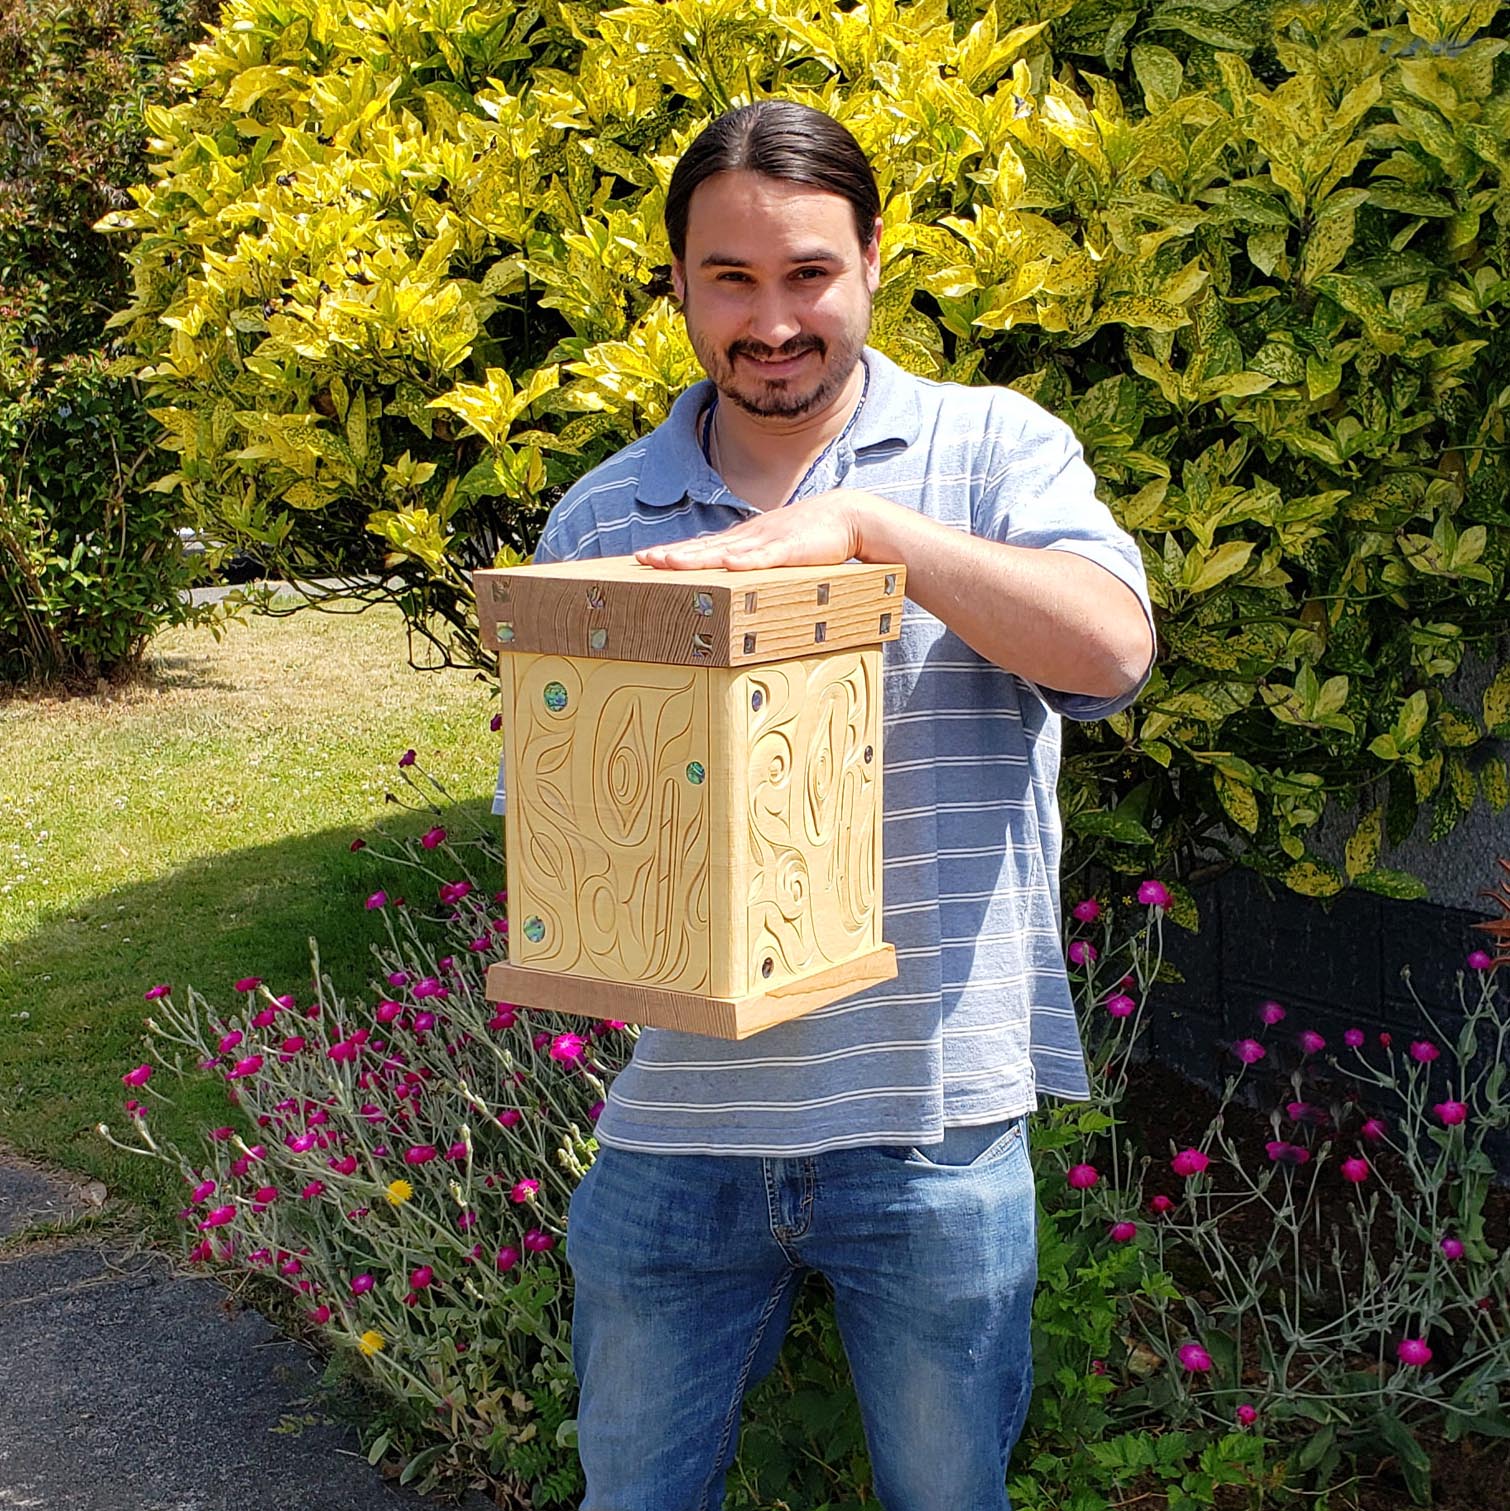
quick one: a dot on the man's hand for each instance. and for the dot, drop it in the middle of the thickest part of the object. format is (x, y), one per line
(820, 531)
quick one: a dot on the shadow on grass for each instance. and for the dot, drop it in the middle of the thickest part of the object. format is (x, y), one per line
(71, 992)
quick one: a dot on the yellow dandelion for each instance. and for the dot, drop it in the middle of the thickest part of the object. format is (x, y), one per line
(399, 1191)
(371, 1342)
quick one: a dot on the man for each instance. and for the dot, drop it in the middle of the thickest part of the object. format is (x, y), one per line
(882, 1140)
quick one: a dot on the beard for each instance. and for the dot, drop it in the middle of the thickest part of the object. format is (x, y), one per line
(782, 398)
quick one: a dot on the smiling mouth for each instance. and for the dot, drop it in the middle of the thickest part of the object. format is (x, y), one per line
(776, 365)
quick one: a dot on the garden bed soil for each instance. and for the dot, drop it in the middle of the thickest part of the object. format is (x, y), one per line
(1471, 1476)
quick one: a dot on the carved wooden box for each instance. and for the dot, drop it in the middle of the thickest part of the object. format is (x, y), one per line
(692, 764)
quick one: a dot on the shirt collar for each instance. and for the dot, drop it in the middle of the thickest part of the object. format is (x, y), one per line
(674, 467)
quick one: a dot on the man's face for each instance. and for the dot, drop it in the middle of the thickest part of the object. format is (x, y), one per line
(776, 290)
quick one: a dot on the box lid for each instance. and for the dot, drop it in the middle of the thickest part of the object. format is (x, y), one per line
(618, 610)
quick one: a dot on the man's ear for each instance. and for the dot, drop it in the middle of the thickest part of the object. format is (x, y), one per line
(872, 257)
(679, 279)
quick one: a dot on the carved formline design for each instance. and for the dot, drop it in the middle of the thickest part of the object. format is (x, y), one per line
(814, 862)
(614, 853)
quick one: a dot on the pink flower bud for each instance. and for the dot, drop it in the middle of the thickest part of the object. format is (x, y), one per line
(1311, 1043)
(247, 1067)
(1452, 1248)
(1246, 1415)
(1123, 1232)
(138, 1077)
(312, 1190)
(229, 1041)
(376, 901)
(1423, 1051)
(1271, 1013)
(1373, 1129)
(361, 1284)
(507, 1258)
(505, 1017)
(1451, 1113)
(537, 1242)
(1355, 1170)
(433, 837)
(1480, 960)
(1082, 952)
(320, 1315)
(1249, 1051)
(218, 1218)
(1082, 1177)
(419, 1154)
(1353, 1038)
(1160, 1204)
(248, 983)
(421, 1277)
(1189, 1162)
(407, 759)
(201, 1191)
(220, 1135)
(265, 1194)
(156, 993)
(346, 1165)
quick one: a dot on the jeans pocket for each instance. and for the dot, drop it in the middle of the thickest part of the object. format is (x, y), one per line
(971, 1147)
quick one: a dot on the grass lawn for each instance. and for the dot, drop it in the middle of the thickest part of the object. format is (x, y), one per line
(196, 828)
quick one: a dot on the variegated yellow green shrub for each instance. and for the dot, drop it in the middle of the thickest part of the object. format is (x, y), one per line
(400, 277)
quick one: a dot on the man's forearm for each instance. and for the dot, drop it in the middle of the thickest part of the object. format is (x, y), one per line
(1052, 617)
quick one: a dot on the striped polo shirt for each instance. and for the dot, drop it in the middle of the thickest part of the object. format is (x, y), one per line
(979, 1019)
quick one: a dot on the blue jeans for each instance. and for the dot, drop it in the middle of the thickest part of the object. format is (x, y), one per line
(686, 1267)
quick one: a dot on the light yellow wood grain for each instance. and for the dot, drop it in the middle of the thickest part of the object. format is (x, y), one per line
(686, 1011)
(608, 835)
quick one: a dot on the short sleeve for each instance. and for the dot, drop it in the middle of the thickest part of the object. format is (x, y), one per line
(1041, 494)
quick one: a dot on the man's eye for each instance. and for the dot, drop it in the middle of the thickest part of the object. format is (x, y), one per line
(808, 275)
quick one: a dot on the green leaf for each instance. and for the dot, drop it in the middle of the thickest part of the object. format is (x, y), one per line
(1362, 852)
(1312, 878)
(1497, 703)
(1159, 72)
(1226, 561)
(1238, 799)
(1414, 1461)
(1397, 884)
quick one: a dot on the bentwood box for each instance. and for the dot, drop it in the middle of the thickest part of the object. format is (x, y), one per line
(692, 769)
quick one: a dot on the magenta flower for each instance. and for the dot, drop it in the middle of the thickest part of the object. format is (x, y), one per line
(376, 901)
(345, 1165)
(218, 1218)
(1311, 1043)
(420, 1278)
(1246, 1415)
(505, 1017)
(1385, 1040)
(419, 1154)
(1423, 1051)
(300, 1143)
(1480, 960)
(423, 1022)
(361, 1284)
(293, 1044)
(220, 1135)
(1122, 1232)
(320, 1315)
(595, 1111)
(264, 1017)
(357, 844)
(1249, 1051)
(1154, 894)
(1189, 1162)
(229, 1041)
(344, 1051)
(1082, 1177)
(428, 986)
(1373, 1129)
(138, 1077)
(1271, 1013)
(1160, 1204)
(1088, 911)
(201, 1191)
(508, 1117)
(1355, 1169)
(507, 1258)
(456, 1151)
(496, 723)
(433, 837)
(524, 1189)
(248, 983)
(1120, 1005)
(454, 891)
(537, 1242)
(312, 1190)
(265, 1194)
(1082, 952)
(1353, 1038)
(242, 1068)
(388, 1010)
(154, 993)
(1413, 1351)
(407, 759)
(1452, 1113)
(1452, 1248)
(1194, 1359)
(567, 1048)
(1286, 1154)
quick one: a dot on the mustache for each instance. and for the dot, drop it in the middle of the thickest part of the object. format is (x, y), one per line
(793, 348)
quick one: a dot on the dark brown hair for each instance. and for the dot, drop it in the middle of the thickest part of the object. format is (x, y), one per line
(780, 139)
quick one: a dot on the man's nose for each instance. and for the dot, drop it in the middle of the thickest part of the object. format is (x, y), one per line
(772, 321)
